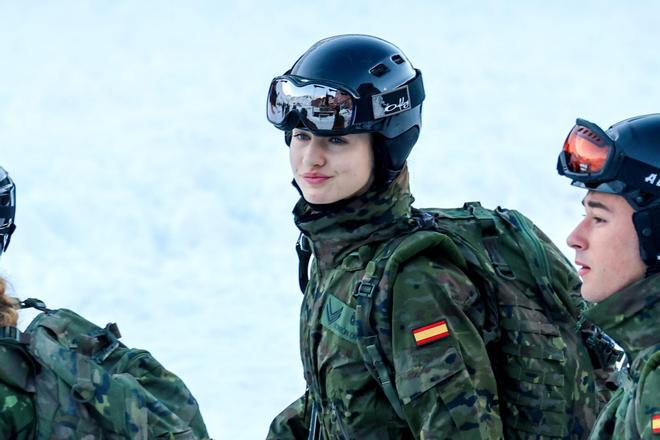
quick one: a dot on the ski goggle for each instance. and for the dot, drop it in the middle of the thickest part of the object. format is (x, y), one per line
(325, 107)
(587, 149)
(593, 160)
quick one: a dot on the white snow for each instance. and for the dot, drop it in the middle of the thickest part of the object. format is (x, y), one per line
(153, 192)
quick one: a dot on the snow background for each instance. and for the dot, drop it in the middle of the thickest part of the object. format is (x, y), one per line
(153, 192)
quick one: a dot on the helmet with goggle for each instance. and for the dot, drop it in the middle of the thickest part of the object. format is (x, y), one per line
(7, 209)
(352, 84)
(624, 160)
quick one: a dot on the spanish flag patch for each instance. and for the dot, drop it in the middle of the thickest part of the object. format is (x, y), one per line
(655, 424)
(431, 332)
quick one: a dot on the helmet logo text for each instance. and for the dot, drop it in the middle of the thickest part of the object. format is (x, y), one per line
(390, 103)
(651, 178)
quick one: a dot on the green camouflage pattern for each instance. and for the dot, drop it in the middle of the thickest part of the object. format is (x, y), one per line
(17, 416)
(548, 384)
(518, 362)
(447, 386)
(632, 318)
(90, 386)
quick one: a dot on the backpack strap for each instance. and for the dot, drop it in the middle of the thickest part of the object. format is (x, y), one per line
(304, 251)
(489, 236)
(539, 265)
(13, 336)
(17, 366)
(387, 261)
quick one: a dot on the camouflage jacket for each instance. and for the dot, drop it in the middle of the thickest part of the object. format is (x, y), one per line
(632, 318)
(17, 414)
(447, 386)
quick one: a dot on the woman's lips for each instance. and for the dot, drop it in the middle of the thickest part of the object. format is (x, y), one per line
(315, 179)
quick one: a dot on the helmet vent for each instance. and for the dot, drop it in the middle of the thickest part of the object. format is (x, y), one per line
(379, 70)
(398, 59)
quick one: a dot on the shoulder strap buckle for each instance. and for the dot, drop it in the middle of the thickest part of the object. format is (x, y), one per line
(303, 243)
(366, 288)
(34, 303)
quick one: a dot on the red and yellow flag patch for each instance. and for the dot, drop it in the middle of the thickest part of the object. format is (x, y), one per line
(431, 332)
(655, 424)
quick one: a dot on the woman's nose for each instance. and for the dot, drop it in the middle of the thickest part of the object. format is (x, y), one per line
(314, 154)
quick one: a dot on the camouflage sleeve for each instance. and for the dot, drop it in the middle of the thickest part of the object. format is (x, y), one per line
(647, 404)
(17, 417)
(292, 423)
(442, 370)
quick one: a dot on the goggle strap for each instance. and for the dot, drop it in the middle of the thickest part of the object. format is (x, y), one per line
(365, 111)
(640, 175)
(7, 211)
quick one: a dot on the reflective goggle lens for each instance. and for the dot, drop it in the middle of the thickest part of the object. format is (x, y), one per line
(319, 107)
(585, 151)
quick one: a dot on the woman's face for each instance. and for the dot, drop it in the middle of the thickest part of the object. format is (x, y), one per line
(606, 246)
(332, 168)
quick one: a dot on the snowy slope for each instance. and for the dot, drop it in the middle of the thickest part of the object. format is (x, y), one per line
(153, 192)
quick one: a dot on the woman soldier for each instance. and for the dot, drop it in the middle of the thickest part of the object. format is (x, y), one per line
(17, 417)
(617, 248)
(350, 109)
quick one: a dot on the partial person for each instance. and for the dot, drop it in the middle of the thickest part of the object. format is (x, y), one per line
(413, 322)
(17, 416)
(66, 378)
(617, 250)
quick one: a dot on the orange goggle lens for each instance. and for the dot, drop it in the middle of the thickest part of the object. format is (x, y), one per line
(586, 151)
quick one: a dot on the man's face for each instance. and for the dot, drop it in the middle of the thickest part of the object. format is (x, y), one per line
(606, 246)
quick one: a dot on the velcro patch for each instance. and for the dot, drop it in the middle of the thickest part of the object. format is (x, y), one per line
(339, 318)
(431, 332)
(655, 424)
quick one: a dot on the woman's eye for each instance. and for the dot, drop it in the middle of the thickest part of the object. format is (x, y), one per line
(301, 136)
(599, 220)
(337, 140)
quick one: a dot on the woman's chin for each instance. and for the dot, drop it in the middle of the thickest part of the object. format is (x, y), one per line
(315, 200)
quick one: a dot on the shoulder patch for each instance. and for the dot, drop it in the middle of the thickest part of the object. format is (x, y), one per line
(655, 424)
(431, 332)
(339, 318)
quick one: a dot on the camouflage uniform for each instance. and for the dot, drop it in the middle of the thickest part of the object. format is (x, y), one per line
(447, 386)
(17, 415)
(632, 318)
(65, 377)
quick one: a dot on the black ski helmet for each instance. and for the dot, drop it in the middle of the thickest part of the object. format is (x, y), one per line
(628, 165)
(7, 209)
(380, 78)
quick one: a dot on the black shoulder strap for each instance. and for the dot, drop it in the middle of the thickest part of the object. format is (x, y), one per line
(304, 251)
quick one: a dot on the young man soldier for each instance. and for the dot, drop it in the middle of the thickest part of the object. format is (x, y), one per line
(617, 248)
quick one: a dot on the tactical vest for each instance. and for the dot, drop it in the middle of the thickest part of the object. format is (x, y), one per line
(543, 361)
(87, 384)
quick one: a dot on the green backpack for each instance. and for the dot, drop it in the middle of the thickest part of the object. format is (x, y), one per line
(543, 356)
(87, 384)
